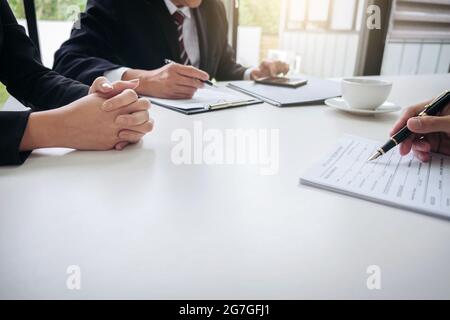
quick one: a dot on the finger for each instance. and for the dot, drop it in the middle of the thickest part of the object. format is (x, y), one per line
(133, 119)
(186, 92)
(425, 157)
(130, 136)
(143, 128)
(421, 146)
(284, 68)
(192, 72)
(125, 98)
(176, 96)
(142, 104)
(406, 146)
(120, 86)
(435, 141)
(101, 85)
(422, 156)
(446, 110)
(279, 66)
(271, 67)
(188, 82)
(265, 64)
(121, 145)
(256, 74)
(182, 96)
(409, 113)
(401, 122)
(427, 124)
(266, 68)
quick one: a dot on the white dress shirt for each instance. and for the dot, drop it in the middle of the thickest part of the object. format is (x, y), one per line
(191, 43)
(190, 33)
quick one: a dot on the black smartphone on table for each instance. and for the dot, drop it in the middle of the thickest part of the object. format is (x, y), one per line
(282, 82)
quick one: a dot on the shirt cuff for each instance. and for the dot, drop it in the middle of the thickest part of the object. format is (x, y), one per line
(115, 74)
(247, 74)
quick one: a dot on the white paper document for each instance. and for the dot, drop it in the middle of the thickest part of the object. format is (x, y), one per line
(402, 182)
(203, 99)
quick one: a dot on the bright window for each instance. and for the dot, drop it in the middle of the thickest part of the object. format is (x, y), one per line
(50, 9)
(55, 20)
(338, 15)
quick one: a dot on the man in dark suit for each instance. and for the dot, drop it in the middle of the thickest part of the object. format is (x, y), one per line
(131, 39)
(102, 118)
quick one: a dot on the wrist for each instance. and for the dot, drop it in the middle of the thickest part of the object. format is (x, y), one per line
(248, 74)
(131, 74)
(146, 87)
(254, 74)
(41, 131)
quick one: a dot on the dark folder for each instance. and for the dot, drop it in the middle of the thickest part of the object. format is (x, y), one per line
(315, 92)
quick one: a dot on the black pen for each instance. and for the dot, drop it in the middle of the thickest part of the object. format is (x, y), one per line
(431, 109)
(168, 61)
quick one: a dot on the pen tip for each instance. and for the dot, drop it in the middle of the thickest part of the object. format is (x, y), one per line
(375, 156)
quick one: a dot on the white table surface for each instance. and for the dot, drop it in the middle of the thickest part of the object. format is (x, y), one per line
(141, 227)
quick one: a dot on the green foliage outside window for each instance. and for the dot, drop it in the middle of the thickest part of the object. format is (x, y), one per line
(48, 9)
(260, 13)
(3, 95)
(45, 10)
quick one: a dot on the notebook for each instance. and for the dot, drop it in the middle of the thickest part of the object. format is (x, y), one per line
(393, 180)
(207, 99)
(316, 91)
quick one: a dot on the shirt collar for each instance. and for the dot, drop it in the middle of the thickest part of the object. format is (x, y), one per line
(173, 8)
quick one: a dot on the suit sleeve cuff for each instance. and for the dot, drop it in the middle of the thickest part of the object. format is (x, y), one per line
(115, 74)
(12, 129)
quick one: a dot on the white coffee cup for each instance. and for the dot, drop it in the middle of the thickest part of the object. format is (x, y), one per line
(367, 94)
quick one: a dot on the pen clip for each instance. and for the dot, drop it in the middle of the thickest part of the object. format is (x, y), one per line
(439, 97)
(428, 106)
(424, 112)
(224, 105)
(221, 105)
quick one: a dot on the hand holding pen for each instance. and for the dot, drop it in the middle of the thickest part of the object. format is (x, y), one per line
(201, 79)
(171, 81)
(424, 128)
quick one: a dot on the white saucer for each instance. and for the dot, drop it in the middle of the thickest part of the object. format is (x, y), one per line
(340, 104)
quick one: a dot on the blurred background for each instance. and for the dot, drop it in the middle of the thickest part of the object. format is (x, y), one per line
(326, 38)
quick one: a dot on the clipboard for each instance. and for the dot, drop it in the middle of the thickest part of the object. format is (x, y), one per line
(207, 100)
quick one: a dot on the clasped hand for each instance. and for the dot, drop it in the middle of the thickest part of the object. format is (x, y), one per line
(109, 117)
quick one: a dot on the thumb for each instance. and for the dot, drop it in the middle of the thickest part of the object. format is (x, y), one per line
(101, 85)
(120, 86)
(264, 66)
(429, 124)
(255, 74)
(273, 70)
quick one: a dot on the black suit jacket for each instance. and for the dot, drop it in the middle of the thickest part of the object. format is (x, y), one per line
(140, 34)
(28, 81)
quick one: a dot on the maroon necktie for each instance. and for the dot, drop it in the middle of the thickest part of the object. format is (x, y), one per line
(179, 17)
